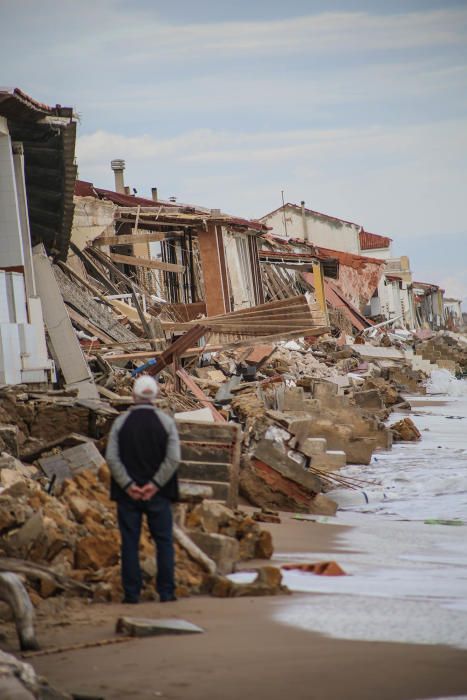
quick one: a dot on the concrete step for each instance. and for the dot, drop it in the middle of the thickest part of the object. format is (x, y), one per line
(220, 489)
(313, 446)
(329, 460)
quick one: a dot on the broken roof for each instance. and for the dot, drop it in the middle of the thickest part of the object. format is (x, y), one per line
(371, 241)
(288, 245)
(48, 136)
(350, 259)
(368, 241)
(17, 105)
(197, 214)
(311, 211)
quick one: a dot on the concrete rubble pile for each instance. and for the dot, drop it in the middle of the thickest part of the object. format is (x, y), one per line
(304, 408)
(74, 534)
(446, 351)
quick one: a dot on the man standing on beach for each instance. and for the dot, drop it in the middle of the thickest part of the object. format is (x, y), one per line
(143, 452)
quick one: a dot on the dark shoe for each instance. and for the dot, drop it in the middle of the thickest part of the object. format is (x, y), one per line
(167, 598)
(130, 601)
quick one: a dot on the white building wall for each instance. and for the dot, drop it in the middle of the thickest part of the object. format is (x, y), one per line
(322, 230)
(90, 219)
(11, 248)
(380, 253)
(23, 349)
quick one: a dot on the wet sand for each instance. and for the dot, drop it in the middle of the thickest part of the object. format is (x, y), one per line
(244, 653)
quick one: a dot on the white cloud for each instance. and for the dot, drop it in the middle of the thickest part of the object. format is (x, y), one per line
(391, 179)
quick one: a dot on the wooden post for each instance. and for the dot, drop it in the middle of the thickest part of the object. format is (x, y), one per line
(232, 500)
(318, 278)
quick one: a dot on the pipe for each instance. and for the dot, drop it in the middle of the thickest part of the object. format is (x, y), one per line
(304, 222)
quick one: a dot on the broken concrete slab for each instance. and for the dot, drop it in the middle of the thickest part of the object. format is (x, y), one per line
(268, 452)
(313, 446)
(369, 400)
(72, 461)
(330, 460)
(190, 492)
(147, 627)
(224, 550)
(224, 394)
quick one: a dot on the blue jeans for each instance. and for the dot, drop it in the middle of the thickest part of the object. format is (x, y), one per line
(159, 516)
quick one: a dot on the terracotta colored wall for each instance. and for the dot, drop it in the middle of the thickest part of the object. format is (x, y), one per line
(359, 283)
(213, 263)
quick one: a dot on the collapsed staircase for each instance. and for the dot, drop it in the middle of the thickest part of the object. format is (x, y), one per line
(322, 458)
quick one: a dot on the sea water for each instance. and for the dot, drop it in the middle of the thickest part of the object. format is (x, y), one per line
(406, 552)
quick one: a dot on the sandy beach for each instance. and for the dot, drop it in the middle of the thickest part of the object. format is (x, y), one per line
(244, 652)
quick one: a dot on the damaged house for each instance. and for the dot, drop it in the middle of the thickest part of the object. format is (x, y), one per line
(37, 175)
(381, 288)
(195, 261)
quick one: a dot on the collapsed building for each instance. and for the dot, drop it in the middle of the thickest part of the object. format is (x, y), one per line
(395, 298)
(37, 175)
(250, 333)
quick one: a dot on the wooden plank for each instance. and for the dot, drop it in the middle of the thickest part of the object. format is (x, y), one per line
(177, 348)
(195, 430)
(232, 500)
(100, 275)
(82, 301)
(146, 354)
(87, 326)
(129, 239)
(142, 318)
(200, 395)
(82, 280)
(145, 262)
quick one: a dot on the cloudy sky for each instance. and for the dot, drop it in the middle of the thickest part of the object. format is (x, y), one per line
(357, 107)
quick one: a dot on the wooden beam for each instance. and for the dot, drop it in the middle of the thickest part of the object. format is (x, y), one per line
(142, 318)
(129, 239)
(200, 395)
(145, 262)
(87, 325)
(146, 354)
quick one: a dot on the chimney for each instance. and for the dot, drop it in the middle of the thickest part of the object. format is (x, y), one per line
(154, 193)
(118, 166)
(304, 222)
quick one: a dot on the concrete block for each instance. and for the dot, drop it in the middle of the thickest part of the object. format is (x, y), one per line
(369, 400)
(294, 399)
(313, 446)
(72, 460)
(322, 505)
(225, 551)
(267, 452)
(323, 389)
(330, 460)
(194, 492)
(146, 627)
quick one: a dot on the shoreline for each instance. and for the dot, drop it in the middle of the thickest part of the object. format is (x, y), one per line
(245, 651)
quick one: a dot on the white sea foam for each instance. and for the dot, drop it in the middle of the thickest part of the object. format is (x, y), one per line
(443, 382)
(408, 577)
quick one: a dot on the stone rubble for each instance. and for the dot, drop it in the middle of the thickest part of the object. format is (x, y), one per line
(305, 411)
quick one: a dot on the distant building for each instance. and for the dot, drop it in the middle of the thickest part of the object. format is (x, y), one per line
(297, 221)
(429, 308)
(453, 318)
